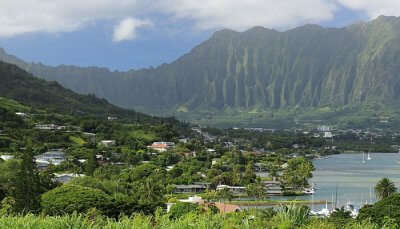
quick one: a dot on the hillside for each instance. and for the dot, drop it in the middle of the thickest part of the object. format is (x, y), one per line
(308, 72)
(23, 87)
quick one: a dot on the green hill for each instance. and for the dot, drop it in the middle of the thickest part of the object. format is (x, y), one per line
(260, 76)
(20, 87)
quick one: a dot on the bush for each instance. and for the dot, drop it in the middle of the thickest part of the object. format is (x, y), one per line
(70, 198)
(381, 210)
(180, 209)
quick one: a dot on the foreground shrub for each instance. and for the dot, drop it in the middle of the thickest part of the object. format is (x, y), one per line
(381, 211)
(73, 198)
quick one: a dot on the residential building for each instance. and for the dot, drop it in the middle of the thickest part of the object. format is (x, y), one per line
(51, 157)
(162, 146)
(233, 189)
(65, 177)
(192, 188)
(107, 143)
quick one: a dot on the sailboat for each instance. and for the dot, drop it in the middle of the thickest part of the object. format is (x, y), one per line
(363, 160)
(325, 211)
(369, 157)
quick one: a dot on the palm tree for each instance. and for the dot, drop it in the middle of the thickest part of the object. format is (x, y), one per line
(384, 188)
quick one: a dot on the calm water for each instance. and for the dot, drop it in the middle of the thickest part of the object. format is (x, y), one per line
(354, 180)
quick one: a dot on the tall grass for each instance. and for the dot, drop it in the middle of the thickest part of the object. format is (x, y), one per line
(286, 218)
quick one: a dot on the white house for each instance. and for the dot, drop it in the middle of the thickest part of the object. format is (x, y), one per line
(51, 157)
(107, 143)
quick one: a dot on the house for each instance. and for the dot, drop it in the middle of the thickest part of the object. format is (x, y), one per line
(233, 189)
(111, 118)
(162, 146)
(328, 134)
(7, 157)
(46, 126)
(21, 114)
(211, 151)
(192, 188)
(65, 177)
(273, 188)
(107, 143)
(184, 140)
(51, 157)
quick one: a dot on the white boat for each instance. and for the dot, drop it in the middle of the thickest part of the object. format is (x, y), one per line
(325, 212)
(369, 157)
(363, 160)
(309, 191)
(353, 211)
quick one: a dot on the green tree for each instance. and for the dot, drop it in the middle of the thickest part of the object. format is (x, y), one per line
(384, 188)
(27, 188)
(298, 171)
(249, 174)
(69, 198)
(225, 194)
(91, 163)
(180, 209)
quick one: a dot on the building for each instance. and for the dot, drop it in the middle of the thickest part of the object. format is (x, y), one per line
(192, 188)
(107, 143)
(162, 146)
(49, 127)
(65, 177)
(7, 157)
(51, 157)
(21, 114)
(273, 188)
(328, 134)
(111, 118)
(233, 189)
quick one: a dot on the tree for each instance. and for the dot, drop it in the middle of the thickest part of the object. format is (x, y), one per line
(298, 171)
(236, 175)
(69, 198)
(384, 188)
(249, 174)
(381, 211)
(225, 194)
(27, 183)
(180, 209)
(91, 163)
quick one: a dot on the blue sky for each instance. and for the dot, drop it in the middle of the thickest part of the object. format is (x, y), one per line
(133, 34)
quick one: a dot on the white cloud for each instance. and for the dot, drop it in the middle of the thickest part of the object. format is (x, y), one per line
(126, 30)
(374, 8)
(57, 16)
(243, 14)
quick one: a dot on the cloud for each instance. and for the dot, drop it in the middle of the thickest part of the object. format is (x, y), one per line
(58, 16)
(126, 29)
(374, 8)
(241, 15)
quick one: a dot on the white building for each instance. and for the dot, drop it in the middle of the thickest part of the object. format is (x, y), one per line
(51, 157)
(107, 143)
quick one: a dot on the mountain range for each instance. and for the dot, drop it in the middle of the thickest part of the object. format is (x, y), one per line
(21, 86)
(260, 76)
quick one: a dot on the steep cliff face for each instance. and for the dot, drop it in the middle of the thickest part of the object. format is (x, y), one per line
(257, 70)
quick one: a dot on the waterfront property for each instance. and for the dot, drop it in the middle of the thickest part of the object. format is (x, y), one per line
(233, 189)
(192, 188)
(51, 157)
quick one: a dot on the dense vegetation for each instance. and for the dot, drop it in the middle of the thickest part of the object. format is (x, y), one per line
(40, 94)
(249, 78)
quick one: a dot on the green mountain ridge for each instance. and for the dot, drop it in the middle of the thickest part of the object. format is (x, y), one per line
(258, 75)
(18, 86)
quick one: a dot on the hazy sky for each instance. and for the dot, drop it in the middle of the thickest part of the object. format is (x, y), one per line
(125, 34)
